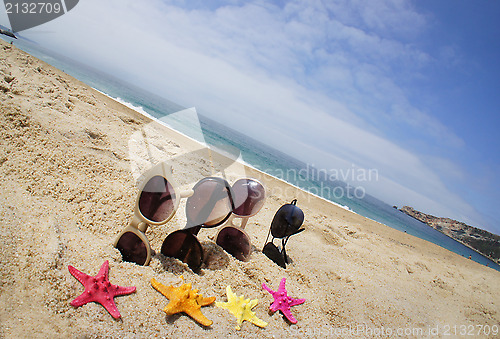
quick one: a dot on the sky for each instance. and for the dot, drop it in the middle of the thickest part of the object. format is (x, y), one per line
(408, 88)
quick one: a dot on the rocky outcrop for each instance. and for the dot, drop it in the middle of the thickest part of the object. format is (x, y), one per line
(484, 242)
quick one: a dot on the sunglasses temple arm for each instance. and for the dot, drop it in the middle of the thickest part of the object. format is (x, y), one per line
(283, 251)
(139, 224)
(187, 193)
(194, 230)
(244, 221)
(268, 234)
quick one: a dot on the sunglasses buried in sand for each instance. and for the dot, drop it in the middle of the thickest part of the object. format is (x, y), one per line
(213, 203)
(156, 203)
(286, 222)
(210, 204)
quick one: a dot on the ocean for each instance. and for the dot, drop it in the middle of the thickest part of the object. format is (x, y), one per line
(253, 152)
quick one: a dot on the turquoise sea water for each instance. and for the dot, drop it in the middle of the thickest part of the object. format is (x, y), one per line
(255, 153)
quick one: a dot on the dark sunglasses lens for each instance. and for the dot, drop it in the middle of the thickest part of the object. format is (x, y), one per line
(234, 242)
(248, 197)
(184, 246)
(273, 253)
(209, 205)
(156, 201)
(287, 221)
(132, 248)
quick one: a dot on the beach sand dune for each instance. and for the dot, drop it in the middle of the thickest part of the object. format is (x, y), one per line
(67, 189)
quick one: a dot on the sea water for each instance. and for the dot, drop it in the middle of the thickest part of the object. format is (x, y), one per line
(252, 151)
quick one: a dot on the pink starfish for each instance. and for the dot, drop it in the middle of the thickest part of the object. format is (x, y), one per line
(99, 289)
(282, 301)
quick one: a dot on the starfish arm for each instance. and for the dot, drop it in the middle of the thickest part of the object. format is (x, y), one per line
(256, 321)
(231, 297)
(165, 290)
(264, 286)
(282, 288)
(80, 276)
(172, 308)
(288, 314)
(121, 290)
(274, 306)
(82, 299)
(205, 301)
(110, 306)
(294, 302)
(199, 317)
(104, 271)
(252, 303)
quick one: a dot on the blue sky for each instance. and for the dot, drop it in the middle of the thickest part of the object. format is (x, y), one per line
(405, 87)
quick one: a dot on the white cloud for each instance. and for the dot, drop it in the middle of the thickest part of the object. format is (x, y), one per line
(385, 17)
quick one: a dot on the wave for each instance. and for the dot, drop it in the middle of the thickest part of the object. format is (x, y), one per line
(138, 109)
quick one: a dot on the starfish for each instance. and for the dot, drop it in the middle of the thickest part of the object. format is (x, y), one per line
(99, 289)
(282, 301)
(241, 308)
(184, 299)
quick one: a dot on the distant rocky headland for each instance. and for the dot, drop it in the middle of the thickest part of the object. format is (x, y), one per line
(484, 242)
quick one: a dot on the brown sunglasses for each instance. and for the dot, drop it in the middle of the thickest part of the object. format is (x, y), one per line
(211, 203)
(156, 203)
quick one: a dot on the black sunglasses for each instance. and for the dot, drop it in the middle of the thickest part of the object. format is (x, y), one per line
(286, 222)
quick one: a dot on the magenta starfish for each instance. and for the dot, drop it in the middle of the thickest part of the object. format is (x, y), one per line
(282, 301)
(99, 289)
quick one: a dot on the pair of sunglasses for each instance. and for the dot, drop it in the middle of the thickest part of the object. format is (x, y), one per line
(156, 204)
(286, 222)
(214, 203)
(209, 204)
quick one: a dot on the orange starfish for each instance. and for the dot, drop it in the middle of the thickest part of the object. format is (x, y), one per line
(184, 299)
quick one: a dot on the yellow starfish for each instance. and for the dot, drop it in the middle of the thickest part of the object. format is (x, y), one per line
(184, 299)
(241, 308)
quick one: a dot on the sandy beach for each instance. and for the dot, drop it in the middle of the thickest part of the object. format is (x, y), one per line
(68, 188)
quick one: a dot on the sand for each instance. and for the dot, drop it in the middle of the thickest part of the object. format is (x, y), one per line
(68, 188)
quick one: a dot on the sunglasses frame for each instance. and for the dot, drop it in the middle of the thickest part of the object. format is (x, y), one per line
(244, 220)
(284, 239)
(231, 215)
(139, 223)
(228, 219)
(218, 180)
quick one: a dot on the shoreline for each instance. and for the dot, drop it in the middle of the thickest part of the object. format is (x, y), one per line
(68, 190)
